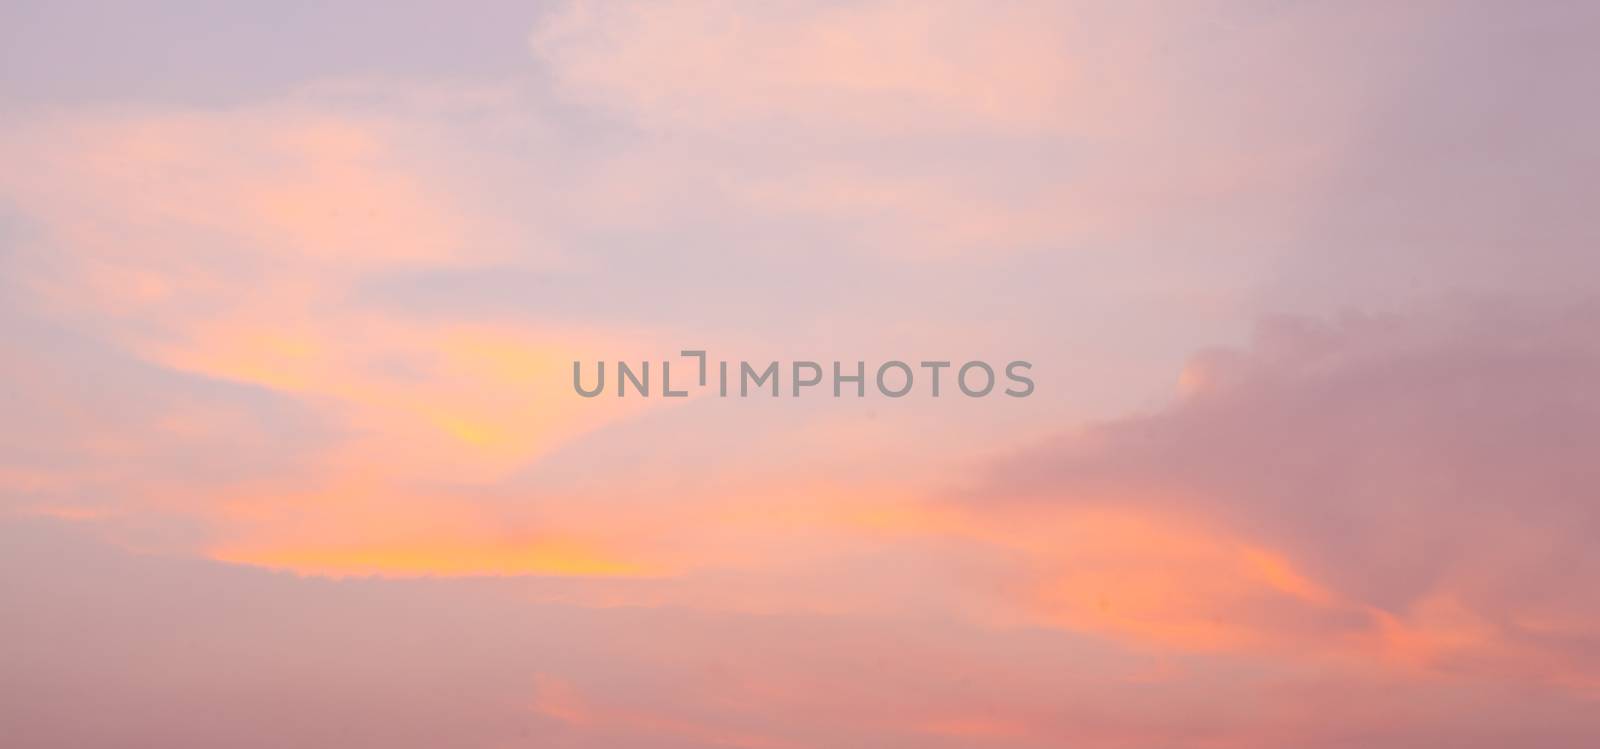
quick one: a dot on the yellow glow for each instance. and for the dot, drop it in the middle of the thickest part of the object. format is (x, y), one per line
(543, 557)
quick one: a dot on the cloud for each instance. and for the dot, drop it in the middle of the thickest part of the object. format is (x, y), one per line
(193, 272)
(889, 67)
(325, 330)
(1417, 487)
(960, 130)
(105, 644)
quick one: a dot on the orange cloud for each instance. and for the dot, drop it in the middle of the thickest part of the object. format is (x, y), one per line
(434, 555)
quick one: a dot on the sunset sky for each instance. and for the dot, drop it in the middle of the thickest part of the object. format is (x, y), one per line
(291, 292)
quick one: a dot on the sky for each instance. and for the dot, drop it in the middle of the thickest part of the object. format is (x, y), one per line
(290, 298)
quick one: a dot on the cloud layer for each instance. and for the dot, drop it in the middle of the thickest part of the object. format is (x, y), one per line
(289, 453)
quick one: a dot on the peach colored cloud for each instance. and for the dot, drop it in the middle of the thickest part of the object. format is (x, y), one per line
(322, 662)
(230, 246)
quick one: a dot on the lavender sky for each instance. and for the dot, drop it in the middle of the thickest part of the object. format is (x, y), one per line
(290, 295)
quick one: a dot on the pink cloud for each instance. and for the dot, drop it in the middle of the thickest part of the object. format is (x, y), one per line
(1427, 478)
